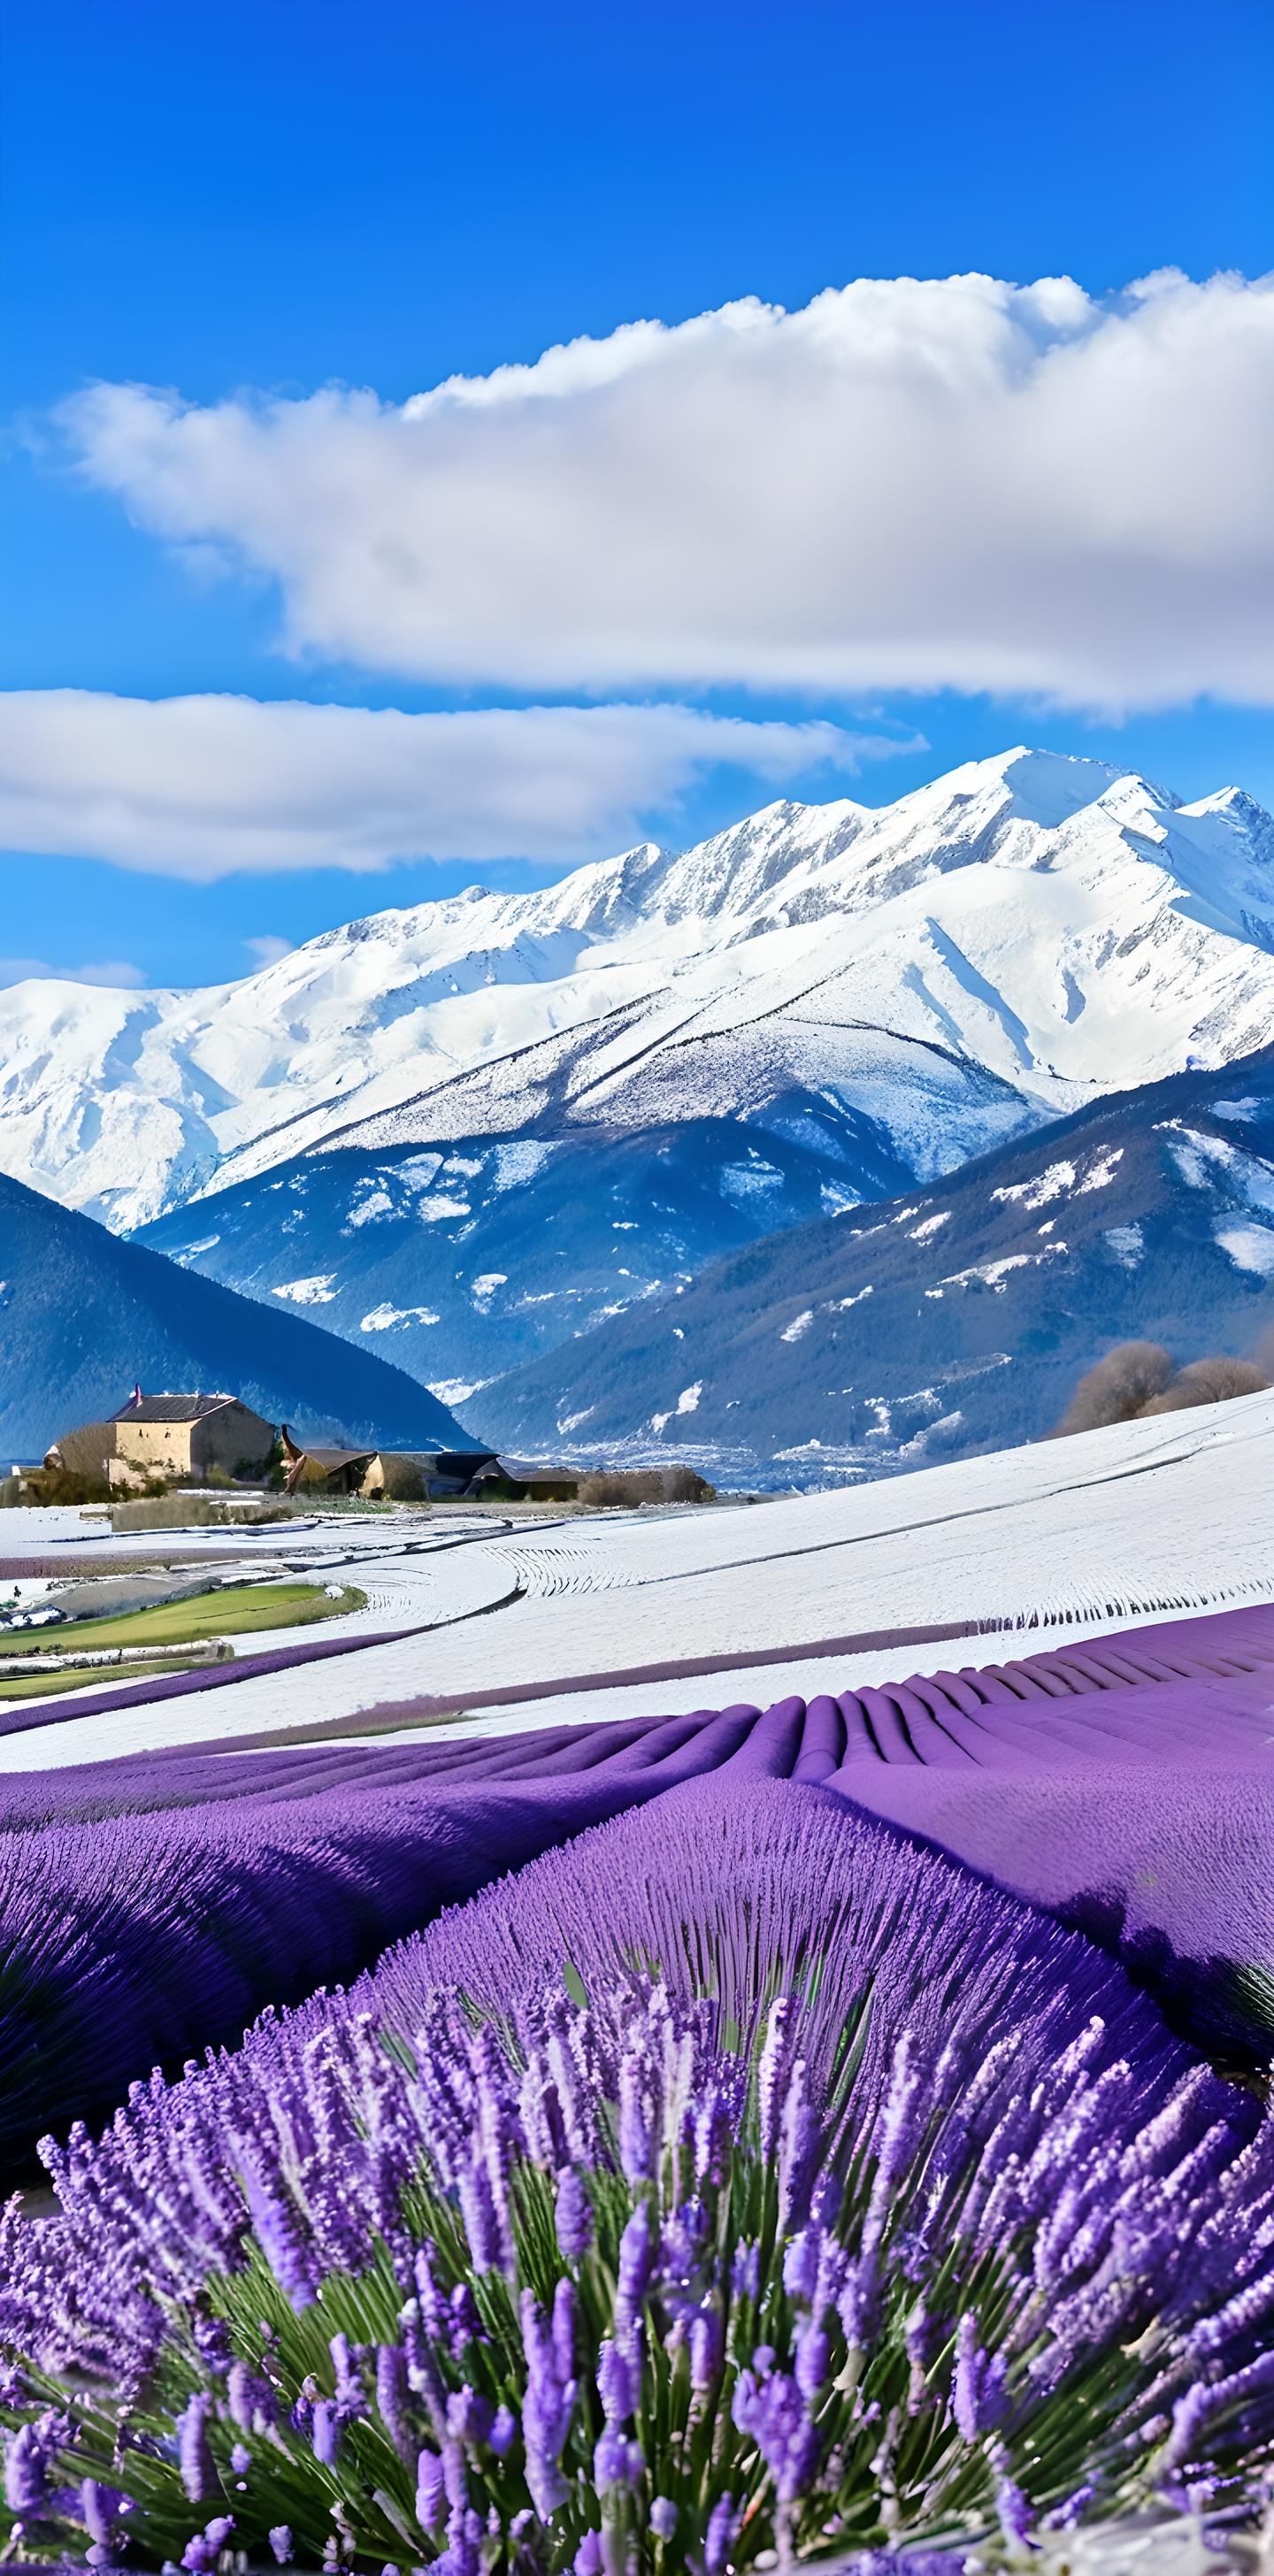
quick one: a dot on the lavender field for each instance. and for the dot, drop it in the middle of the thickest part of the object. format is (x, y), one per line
(837, 2127)
(664, 2195)
(664, 2124)
(637, 1291)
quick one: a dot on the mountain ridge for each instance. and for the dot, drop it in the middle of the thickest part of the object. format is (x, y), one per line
(941, 909)
(946, 1320)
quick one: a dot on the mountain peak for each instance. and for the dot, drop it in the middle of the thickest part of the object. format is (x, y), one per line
(1236, 804)
(1055, 923)
(1045, 787)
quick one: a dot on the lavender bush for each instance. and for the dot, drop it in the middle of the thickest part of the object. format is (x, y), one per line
(142, 1937)
(793, 2191)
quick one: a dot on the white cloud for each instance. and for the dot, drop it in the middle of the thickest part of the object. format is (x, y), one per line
(113, 971)
(202, 787)
(268, 949)
(908, 484)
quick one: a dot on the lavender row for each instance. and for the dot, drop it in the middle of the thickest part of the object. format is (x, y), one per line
(141, 1936)
(943, 1717)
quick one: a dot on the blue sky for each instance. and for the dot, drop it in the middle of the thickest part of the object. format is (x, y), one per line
(218, 198)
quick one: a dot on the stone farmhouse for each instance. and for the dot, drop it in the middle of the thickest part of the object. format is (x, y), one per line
(182, 1438)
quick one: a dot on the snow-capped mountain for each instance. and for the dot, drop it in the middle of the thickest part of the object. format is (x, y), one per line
(986, 952)
(951, 1320)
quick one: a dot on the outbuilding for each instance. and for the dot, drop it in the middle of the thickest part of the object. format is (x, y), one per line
(383, 1475)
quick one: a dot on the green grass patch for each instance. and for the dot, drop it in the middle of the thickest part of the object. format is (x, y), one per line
(237, 1612)
(107, 1677)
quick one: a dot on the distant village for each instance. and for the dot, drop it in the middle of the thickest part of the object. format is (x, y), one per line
(156, 1443)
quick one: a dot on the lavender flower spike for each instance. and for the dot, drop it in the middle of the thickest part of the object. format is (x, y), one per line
(574, 2216)
(977, 2385)
(723, 2524)
(197, 2472)
(770, 2073)
(547, 2409)
(25, 2464)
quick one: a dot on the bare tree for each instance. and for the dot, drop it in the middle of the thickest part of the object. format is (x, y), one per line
(627, 1487)
(1210, 1381)
(1118, 1388)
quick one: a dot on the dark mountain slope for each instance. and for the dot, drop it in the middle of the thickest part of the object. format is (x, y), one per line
(466, 1253)
(952, 1320)
(83, 1315)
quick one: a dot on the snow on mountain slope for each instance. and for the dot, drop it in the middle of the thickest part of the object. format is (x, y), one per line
(1042, 921)
(950, 1320)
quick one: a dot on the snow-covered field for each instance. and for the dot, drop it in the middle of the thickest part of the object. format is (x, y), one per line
(1076, 1537)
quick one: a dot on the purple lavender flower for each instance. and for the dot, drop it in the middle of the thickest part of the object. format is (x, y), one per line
(745, 2274)
(636, 2263)
(813, 2357)
(772, 2409)
(859, 2302)
(462, 2556)
(202, 2552)
(434, 2313)
(801, 2265)
(249, 2399)
(280, 2539)
(800, 2140)
(1017, 2520)
(454, 2476)
(349, 2387)
(325, 2432)
(978, 2400)
(280, 2240)
(211, 2337)
(197, 2472)
(564, 2330)
(463, 2324)
(618, 2382)
(617, 2462)
(707, 2349)
(99, 2510)
(429, 2489)
(720, 2537)
(663, 2517)
(547, 2409)
(574, 2216)
(637, 2136)
(771, 2074)
(25, 2470)
(391, 2396)
(470, 2416)
(481, 2219)
(998, 2055)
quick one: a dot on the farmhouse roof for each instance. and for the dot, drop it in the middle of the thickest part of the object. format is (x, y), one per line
(525, 1471)
(170, 1408)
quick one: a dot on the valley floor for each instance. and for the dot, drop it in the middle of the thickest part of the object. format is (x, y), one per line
(474, 1624)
